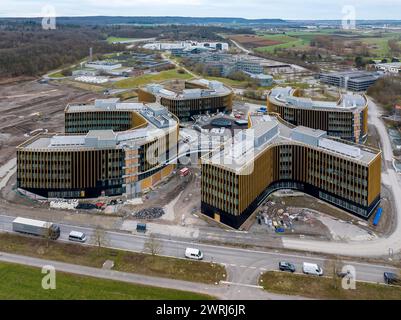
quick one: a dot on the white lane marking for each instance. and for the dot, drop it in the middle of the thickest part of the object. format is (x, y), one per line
(228, 248)
(241, 284)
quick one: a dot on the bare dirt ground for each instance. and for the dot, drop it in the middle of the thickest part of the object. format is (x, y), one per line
(27, 106)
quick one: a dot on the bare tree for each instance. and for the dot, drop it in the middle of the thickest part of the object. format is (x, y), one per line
(153, 245)
(47, 235)
(99, 238)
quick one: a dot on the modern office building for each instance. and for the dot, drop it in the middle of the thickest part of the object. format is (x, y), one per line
(109, 148)
(346, 118)
(273, 155)
(391, 67)
(104, 65)
(188, 98)
(351, 80)
(263, 80)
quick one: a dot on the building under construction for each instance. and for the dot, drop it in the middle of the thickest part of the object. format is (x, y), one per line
(346, 118)
(108, 148)
(273, 155)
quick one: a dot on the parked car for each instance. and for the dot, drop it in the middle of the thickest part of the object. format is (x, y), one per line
(192, 253)
(392, 278)
(312, 268)
(286, 266)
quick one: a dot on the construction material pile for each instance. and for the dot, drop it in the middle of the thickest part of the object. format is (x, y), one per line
(149, 213)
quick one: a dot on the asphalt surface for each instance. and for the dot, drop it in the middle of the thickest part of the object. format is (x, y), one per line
(244, 266)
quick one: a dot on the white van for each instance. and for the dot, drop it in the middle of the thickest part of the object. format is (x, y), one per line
(312, 268)
(192, 253)
(77, 236)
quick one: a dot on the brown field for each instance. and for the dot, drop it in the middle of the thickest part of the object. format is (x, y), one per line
(254, 41)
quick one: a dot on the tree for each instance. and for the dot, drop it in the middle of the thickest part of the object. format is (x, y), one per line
(359, 62)
(100, 238)
(153, 245)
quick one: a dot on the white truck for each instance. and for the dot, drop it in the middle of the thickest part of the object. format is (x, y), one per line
(36, 228)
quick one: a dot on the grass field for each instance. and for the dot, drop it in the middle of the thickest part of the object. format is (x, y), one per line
(229, 82)
(133, 262)
(298, 39)
(56, 75)
(24, 283)
(323, 288)
(82, 85)
(116, 39)
(149, 78)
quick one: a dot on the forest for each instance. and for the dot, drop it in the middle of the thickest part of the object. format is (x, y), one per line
(28, 50)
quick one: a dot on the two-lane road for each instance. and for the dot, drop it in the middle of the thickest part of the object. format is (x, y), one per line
(244, 265)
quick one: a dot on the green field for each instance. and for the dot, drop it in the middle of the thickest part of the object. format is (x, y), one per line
(288, 42)
(229, 82)
(24, 283)
(297, 39)
(149, 78)
(56, 75)
(324, 288)
(117, 39)
(133, 262)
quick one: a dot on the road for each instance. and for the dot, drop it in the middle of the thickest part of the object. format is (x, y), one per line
(246, 51)
(244, 266)
(391, 178)
(178, 66)
(225, 291)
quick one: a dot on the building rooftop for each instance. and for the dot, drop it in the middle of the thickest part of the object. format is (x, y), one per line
(206, 89)
(285, 96)
(158, 120)
(245, 146)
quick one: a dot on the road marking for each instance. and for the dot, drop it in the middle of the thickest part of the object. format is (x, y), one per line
(241, 284)
(122, 234)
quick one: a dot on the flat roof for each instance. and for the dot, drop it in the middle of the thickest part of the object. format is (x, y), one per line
(208, 88)
(236, 153)
(285, 96)
(158, 119)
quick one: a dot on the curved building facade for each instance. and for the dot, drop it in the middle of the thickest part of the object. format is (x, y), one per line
(346, 118)
(188, 98)
(271, 155)
(109, 148)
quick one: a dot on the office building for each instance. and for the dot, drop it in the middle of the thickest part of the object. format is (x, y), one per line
(273, 155)
(346, 118)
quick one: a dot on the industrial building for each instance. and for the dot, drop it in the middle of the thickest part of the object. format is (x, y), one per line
(346, 118)
(271, 155)
(178, 46)
(188, 98)
(109, 148)
(350, 80)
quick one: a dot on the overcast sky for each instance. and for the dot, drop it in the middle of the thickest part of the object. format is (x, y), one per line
(285, 9)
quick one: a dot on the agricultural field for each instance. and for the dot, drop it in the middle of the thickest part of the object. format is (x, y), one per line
(376, 42)
(284, 41)
(149, 78)
(22, 282)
